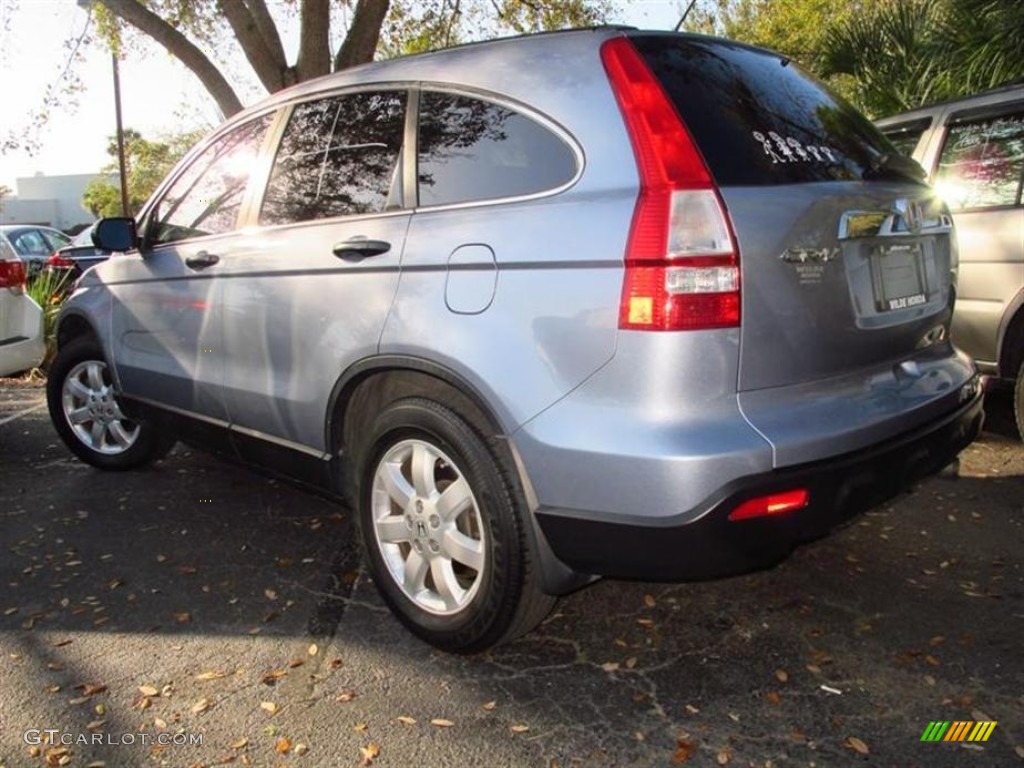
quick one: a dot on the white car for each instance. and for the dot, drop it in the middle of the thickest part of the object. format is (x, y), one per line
(21, 318)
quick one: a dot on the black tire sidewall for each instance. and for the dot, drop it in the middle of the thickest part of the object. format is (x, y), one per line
(488, 616)
(1018, 401)
(147, 447)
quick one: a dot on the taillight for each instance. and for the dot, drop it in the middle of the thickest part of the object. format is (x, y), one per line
(56, 260)
(682, 265)
(775, 504)
(12, 273)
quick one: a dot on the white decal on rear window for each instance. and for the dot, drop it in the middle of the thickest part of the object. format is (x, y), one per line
(786, 149)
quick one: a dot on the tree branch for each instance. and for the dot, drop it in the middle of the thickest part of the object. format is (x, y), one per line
(361, 41)
(178, 46)
(314, 40)
(267, 27)
(269, 70)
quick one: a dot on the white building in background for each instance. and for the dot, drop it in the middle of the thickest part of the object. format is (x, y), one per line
(53, 201)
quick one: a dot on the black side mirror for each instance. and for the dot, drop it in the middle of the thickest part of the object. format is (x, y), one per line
(115, 234)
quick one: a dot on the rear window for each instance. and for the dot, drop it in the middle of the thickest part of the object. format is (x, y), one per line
(757, 117)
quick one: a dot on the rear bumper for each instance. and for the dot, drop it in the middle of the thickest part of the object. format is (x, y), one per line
(703, 543)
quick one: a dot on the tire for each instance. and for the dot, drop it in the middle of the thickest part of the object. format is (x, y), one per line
(443, 531)
(1018, 400)
(90, 417)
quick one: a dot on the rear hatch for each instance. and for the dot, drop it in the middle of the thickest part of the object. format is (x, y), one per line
(845, 257)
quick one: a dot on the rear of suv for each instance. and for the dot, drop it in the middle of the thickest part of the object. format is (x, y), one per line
(545, 309)
(973, 150)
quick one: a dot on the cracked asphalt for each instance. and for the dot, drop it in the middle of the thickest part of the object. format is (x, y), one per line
(197, 600)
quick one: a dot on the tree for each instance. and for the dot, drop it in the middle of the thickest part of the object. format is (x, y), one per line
(905, 53)
(191, 30)
(146, 164)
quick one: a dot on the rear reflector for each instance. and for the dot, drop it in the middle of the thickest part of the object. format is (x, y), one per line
(775, 504)
(681, 266)
(12, 273)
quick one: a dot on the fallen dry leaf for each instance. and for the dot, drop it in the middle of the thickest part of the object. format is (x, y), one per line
(273, 676)
(520, 728)
(724, 756)
(649, 601)
(282, 745)
(610, 666)
(239, 743)
(360, 727)
(92, 689)
(684, 751)
(269, 706)
(270, 594)
(294, 663)
(300, 749)
(781, 675)
(160, 723)
(145, 702)
(370, 753)
(631, 662)
(440, 722)
(773, 697)
(313, 649)
(213, 675)
(201, 706)
(406, 720)
(148, 690)
(691, 709)
(183, 617)
(858, 746)
(490, 706)
(345, 696)
(931, 661)
(336, 663)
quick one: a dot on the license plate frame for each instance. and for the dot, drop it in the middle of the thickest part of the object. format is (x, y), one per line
(898, 277)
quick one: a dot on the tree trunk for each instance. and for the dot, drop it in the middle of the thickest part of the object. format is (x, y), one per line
(361, 41)
(267, 62)
(178, 46)
(314, 39)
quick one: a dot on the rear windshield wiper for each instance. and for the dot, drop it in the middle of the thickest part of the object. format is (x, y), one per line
(889, 165)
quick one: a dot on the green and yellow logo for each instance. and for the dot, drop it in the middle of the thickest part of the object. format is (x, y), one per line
(959, 730)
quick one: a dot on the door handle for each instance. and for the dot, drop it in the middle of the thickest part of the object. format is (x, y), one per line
(201, 260)
(360, 248)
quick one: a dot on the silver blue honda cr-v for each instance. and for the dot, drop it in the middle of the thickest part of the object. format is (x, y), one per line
(595, 303)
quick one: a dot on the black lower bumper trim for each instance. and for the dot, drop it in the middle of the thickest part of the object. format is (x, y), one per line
(710, 546)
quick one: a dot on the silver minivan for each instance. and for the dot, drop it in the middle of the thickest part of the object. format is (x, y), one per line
(973, 150)
(544, 309)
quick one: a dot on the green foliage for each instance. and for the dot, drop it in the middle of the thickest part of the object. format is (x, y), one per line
(905, 53)
(426, 25)
(146, 164)
(49, 289)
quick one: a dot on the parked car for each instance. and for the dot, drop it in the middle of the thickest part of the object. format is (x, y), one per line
(72, 260)
(595, 303)
(973, 150)
(21, 319)
(33, 244)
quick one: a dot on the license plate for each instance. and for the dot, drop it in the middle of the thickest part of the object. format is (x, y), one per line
(898, 275)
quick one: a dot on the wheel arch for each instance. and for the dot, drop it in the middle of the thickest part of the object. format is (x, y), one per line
(1011, 341)
(372, 383)
(74, 325)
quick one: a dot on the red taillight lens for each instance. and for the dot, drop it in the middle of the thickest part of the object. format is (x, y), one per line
(56, 260)
(775, 504)
(682, 268)
(12, 273)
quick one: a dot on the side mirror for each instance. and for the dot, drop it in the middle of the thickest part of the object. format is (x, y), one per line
(115, 234)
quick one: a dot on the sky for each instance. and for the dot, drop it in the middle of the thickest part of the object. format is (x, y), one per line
(158, 94)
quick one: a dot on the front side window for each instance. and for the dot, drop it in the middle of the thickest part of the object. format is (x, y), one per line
(980, 164)
(906, 136)
(206, 198)
(338, 157)
(475, 150)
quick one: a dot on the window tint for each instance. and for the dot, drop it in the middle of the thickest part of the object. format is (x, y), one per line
(980, 164)
(205, 199)
(474, 150)
(337, 158)
(759, 119)
(55, 239)
(30, 242)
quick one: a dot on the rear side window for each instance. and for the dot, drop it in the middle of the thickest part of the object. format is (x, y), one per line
(338, 157)
(471, 149)
(981, 161)
(906, 136)
(757, 117)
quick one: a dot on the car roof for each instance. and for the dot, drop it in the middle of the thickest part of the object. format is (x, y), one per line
(1009, 92)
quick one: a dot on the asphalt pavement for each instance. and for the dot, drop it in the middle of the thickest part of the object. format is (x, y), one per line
(142, 613)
